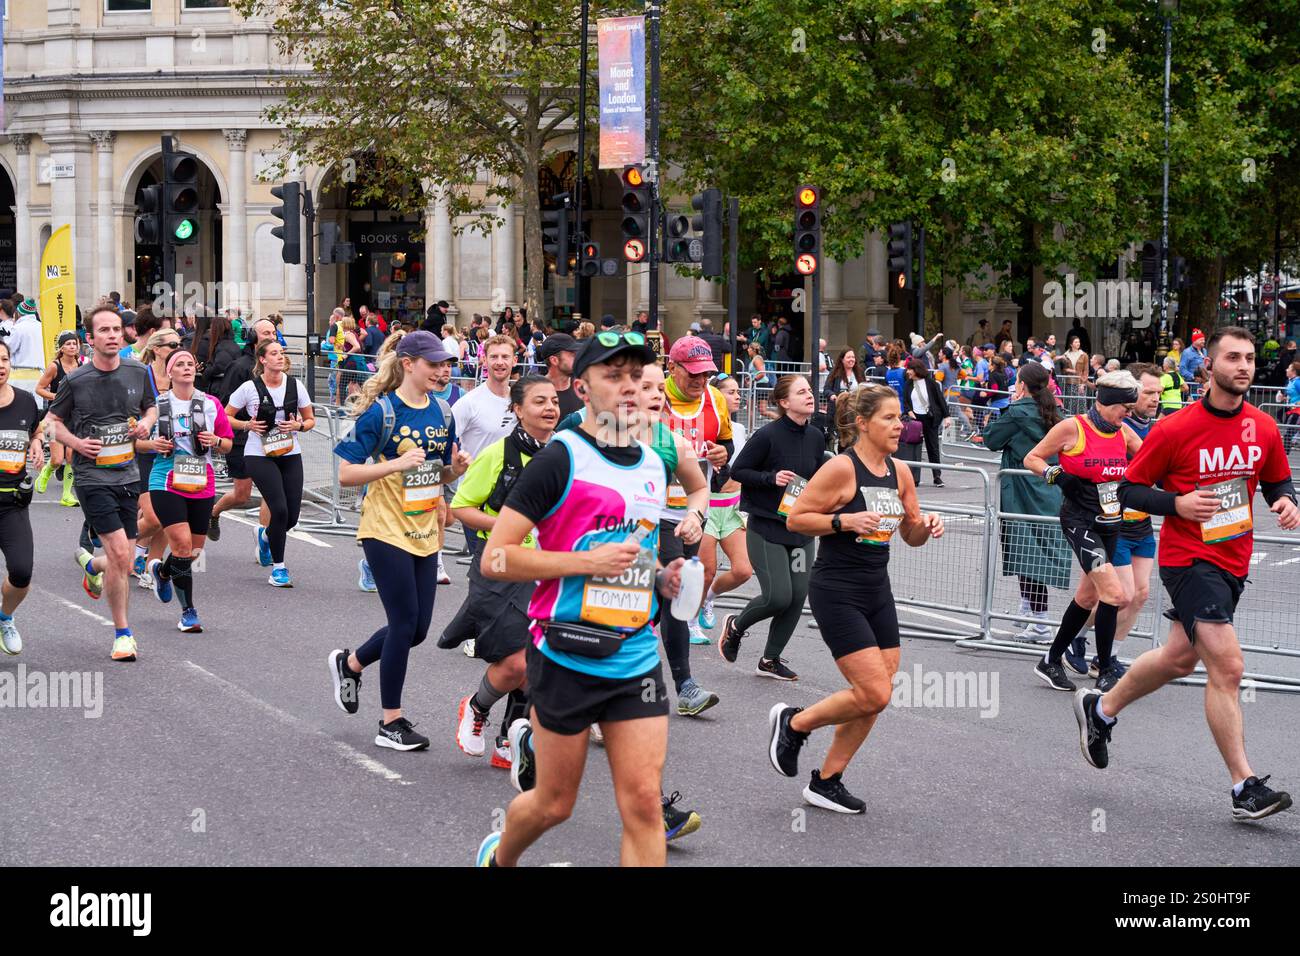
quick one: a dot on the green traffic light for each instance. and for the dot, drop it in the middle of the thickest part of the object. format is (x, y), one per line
(184, 229)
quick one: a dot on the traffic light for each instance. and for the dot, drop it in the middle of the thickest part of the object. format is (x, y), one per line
(332, 248)
(148, 219)
(289, 212)
(900, 253)
(636, 213)
(677, 239)
(1151, 272)
(180, 195)
(1178, 278)
(555, 234)
(589, 262)
(709, 225)
(807, 230)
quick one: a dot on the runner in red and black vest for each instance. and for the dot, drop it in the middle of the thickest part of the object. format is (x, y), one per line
(1093, 450)
(1208, 459)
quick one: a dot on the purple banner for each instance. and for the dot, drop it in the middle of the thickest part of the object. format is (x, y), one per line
(622, 91)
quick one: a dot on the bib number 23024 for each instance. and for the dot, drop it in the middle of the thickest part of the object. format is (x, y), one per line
(422, 487)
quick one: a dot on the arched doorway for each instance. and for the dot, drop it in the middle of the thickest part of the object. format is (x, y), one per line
(388, 273)
(8, 237)
(198, 266)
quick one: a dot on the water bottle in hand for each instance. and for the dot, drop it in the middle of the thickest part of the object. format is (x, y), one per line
(687, 602)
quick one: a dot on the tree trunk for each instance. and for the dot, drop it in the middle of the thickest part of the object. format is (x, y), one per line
(534, 255)
(1199, 304)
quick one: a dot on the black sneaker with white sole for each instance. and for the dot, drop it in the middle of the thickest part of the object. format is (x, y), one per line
(729, 646)
(1257, 801)
(785, 742)
(775, 669)
(1053, 675)
(1094, 733)
(399, 735)
(214, 528)
(523, 766)
(1108, 676)
(831, 794)
(347, 683)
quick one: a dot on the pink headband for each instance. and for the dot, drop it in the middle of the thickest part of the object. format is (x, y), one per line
(176, 353)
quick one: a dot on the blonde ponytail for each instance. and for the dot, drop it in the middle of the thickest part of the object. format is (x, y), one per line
(387, 378)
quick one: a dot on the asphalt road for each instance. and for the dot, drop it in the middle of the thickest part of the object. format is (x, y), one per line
(226, 748)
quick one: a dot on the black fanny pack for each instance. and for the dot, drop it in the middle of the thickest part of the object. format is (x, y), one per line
(22, 492)
(582, 639)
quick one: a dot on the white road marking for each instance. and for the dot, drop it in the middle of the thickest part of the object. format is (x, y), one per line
(297, 535)
(349, 752)
(1287, 561)
(73, 606)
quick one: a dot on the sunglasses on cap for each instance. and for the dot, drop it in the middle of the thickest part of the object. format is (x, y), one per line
(610, 339)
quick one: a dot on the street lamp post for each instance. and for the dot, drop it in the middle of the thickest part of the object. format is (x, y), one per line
(1170, 7)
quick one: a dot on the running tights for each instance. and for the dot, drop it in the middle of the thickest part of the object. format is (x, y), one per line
(16, 544)
(1035, 592)
(783, 574)
(279, 482)
(407, 585)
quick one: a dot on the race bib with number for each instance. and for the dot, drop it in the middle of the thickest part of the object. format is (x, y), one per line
(623, 601)
(677, 499)
(421, 488)
(791, 494)
(1233, 519)
(189, 473)
(118, 449)
(886, 503)
(13, 451)
(1108, 495)
(276, 443)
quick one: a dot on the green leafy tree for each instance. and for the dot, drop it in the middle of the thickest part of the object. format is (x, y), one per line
(431, 92)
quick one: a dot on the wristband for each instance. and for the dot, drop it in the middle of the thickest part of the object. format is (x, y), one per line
(1052, 473)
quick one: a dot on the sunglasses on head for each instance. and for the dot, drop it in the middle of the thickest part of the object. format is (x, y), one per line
(610, 339)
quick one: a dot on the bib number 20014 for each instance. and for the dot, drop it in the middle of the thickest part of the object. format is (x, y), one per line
(622, 601)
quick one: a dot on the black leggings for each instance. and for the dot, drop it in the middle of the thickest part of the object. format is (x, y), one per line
(676, 634)
(407, 585)
(279, 482)
(16, 544)
(173, 509)
(1035, 593)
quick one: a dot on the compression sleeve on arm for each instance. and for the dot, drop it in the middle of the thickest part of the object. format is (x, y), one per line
(1274, 491)
(1145, 498)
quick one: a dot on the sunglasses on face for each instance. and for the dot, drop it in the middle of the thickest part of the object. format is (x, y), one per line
(610, 339)
(168, 345)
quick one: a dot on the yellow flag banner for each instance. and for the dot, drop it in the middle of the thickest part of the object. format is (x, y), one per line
(58, 290)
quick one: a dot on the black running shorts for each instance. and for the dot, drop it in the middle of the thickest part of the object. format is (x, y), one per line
(568, 702)
(109, 508)
(173, 509)
(1092, 546)
(1202, 591)
(850, 621)
(235, 462)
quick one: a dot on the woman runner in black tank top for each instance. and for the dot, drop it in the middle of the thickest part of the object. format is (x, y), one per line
(856, 504)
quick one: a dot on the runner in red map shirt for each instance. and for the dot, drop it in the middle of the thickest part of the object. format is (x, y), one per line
(1209, 458)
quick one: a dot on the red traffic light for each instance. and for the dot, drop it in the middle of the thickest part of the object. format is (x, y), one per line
(634, 250)
(806, 264)
(591, 251)
(807, 196)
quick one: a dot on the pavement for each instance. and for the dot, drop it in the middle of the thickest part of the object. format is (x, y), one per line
(226, 748)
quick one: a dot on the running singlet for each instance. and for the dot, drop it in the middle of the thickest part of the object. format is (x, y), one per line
(401, 509)
(187, 471)
(1099, 460)
(1228, 452)
(580, 497)
(706, 420)
(844, 557)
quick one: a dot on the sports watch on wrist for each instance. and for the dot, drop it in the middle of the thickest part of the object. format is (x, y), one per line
(835, 523)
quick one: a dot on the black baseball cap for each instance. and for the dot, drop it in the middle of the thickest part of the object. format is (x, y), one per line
(556, 343)
(604, 346)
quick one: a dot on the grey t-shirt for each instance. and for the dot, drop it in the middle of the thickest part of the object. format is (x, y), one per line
(100, 404)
